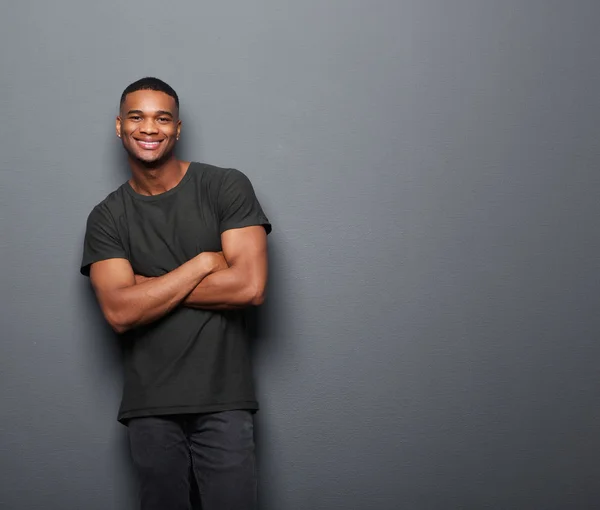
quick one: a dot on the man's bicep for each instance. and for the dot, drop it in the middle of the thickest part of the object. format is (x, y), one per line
(111, 274)
(241, 245)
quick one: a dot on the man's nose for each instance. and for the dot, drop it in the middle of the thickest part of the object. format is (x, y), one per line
(149, 127)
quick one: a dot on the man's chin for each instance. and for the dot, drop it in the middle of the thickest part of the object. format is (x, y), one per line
(149, 160)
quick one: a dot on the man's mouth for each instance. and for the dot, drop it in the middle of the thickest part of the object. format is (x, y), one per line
(148, 145)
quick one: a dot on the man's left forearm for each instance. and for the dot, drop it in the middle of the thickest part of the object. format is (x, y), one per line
(228, 289)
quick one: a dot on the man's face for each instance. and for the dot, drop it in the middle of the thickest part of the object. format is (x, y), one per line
(149, 126)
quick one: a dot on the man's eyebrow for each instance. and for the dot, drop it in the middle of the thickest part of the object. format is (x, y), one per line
(134, 111)
(164, 112)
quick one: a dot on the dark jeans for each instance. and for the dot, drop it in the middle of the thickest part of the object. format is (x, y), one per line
(219, 449)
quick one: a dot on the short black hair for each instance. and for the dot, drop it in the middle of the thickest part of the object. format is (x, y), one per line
(150, 83)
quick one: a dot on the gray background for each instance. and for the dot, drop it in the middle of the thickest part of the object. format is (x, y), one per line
(431, 170)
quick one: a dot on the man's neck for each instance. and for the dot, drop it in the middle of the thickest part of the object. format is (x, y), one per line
(157, 180)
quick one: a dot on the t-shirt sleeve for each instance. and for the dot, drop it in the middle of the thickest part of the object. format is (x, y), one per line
(238, 205)
(101, 241)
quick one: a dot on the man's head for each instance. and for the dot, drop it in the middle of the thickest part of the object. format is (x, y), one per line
(148, 122)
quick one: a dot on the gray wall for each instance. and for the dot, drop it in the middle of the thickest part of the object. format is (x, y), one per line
(431, 170)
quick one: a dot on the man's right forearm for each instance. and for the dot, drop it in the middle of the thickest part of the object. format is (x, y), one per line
(147, 302)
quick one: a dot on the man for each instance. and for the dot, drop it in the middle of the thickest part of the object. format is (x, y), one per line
(173, 255)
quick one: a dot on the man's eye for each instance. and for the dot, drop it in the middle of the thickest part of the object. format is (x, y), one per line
(135, 117)
(163, 119)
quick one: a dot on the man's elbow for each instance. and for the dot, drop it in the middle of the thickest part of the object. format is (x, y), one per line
(117, 321)
(258, 300)
(256, 295)
(120, 328)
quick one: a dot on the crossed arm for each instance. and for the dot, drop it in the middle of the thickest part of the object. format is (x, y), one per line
(235, 279)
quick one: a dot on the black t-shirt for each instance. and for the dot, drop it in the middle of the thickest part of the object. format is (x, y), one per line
(189, 361)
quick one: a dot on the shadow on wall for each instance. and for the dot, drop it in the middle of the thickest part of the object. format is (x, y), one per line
(271, 351)
(106, 340)
(105, 361)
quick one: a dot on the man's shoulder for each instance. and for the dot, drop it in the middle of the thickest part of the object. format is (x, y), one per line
(112, 203)
(214, 178)
(212, 172)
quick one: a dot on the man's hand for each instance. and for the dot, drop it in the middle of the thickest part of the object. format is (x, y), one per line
(218, 261)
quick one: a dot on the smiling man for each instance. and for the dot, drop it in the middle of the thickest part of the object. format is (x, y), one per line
(174, 255)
